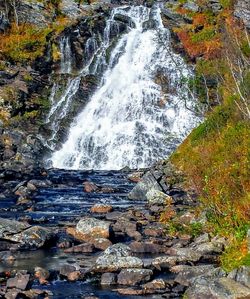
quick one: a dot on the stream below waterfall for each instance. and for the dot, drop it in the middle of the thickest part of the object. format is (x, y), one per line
(139, 112)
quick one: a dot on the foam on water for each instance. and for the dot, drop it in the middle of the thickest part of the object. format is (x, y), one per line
(130, 120)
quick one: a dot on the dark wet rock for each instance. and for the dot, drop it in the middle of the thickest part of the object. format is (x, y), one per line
(124, 19)
(134, 234)
(40, 183)
(217, 288)
(20, 281)
(140, 190)
(241, 275)
(116, 257)
(67, 270)
(42, 275)
(112, 216)
(106, 190)
(4, 25)
(173, 18)
(90, 187)
(124, 225)
(156, 284)
(91, 228)
(134, 276)
(108, 279)
(6, 256)
(82, 248)
(146, 247)
(101, 209)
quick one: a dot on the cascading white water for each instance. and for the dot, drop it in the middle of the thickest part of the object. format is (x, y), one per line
(130, 120)
(66, 56)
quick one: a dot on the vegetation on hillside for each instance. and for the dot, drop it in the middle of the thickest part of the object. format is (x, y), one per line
(215, 157)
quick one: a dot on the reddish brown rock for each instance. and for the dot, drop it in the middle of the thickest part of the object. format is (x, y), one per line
(135, 177)
(101, 209)
(74, 276)
(90, 187)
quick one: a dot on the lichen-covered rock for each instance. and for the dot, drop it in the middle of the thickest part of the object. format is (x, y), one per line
(11, 227)
(116, 257)
(217, 288)
(27, 236)
(33, 237)
(156, 197)
(93, 228)
(186, 274)
(140, 190)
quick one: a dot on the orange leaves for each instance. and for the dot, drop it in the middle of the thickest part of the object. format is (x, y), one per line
(209, 49)
(200, 19)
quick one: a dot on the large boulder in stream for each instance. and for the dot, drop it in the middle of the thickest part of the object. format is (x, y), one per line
(117, 257)
(147, 183)
(90, 230)
(25, 235)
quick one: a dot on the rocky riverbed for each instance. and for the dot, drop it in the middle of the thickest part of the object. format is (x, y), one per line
(85, 234)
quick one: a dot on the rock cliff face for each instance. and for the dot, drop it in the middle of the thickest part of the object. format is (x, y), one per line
(242, 11)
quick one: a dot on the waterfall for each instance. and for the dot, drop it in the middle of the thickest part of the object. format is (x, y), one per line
(132, 120)
(66, 56)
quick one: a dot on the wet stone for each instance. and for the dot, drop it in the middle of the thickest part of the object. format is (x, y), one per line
(20, 281)
(134, 276)
(108, 279)
(146, 247)
(82, 248)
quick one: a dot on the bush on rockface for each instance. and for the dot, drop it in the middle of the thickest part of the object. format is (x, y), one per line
(216, 155)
